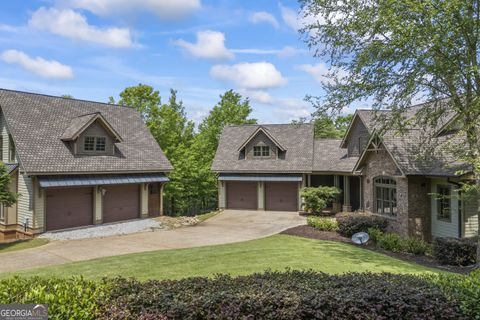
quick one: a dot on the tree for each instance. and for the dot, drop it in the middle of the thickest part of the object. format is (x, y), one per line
(331, 127)
(231, 109)
(392, 52)
(7, 197)
(67, 96)
(141, 97)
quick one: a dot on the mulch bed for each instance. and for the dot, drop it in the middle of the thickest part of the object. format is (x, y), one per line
(312, 233)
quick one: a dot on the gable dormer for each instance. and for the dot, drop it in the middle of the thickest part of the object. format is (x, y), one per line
(261, 145)
(91, 134)
(356, 137)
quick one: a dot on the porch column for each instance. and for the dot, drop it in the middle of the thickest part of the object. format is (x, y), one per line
(261, 195)
(336, 181)
(309, 180)
(97, 205)
(161, 198)
(222, 195)
(346, 194)
(144, 200)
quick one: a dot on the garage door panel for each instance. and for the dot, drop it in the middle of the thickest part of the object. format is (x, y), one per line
(121, 203)
(242, 195)
(281, 196)
(69, 208)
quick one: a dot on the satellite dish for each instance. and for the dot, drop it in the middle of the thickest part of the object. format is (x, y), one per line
(360, 238)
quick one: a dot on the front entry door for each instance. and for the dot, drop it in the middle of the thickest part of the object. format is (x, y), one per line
(154, 200)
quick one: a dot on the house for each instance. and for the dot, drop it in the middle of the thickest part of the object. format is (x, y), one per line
(76, 163)
(264, 167)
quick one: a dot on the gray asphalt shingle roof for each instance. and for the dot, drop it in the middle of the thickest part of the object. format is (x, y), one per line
(297, 139)
(38, 122)
(329, 157)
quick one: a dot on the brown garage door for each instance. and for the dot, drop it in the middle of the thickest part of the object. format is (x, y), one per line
(242, 195)
(69, 208)
(121, 203)
(281, 196)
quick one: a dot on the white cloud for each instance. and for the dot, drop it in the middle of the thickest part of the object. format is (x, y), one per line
(258, 75)
(290, 17)
(285, 52)
(322, 73)
(262, 16)
(165, 9)
(209, 45)
(38, 65)
(7, 28)
(70, 24)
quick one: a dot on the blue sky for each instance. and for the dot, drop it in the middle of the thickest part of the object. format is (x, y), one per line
(93, 49)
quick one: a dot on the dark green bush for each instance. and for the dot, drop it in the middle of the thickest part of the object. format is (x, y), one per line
(73, 298)
(374, 234)
(316, 199)
(465, 289)
(288, 295)
(323, 223)
(352, 223)
(417, 246)
(457, 252)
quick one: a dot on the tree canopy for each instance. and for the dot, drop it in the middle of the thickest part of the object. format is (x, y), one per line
(392, 53)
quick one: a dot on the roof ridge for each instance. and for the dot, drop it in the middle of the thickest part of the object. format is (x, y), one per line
(65, 98)
(267, 124)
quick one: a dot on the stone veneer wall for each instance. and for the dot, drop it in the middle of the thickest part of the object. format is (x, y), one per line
(381, 164)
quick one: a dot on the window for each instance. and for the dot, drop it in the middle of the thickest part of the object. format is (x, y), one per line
(100, 144)
(261, 151)
(89, 144)
(444, 212)
(11, 151)
(385, 196)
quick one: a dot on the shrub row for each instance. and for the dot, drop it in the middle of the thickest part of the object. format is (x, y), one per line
(465, 289)
(288, 295)
(73, 298)
(453, 251)
(395, 243)
(323, 223)
(349, 224)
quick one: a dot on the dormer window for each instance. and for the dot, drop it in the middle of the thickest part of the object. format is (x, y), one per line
(94, 144)
(261, 151)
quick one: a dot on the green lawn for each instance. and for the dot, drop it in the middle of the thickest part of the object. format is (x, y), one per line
(22, 244)
(276, 253)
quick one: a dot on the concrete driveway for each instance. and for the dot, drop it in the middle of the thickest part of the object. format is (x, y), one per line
(227, 227)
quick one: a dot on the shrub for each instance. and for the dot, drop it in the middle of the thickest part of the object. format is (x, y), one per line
(374, 234)
(350, 224)
(465, 289)
(316, 199)
(73, 298)
(323, 223)
(458, 252)
(288, 295)
(391, 242)
(417, 246)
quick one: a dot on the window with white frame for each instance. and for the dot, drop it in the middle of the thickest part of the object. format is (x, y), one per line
(444, 209)
(261, 151)
(385, 193)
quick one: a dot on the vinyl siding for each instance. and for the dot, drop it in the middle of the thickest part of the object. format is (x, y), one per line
(444, 228)
(25, 200)
(470, 218)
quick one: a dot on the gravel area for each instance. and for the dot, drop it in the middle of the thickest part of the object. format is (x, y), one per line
(105, 230)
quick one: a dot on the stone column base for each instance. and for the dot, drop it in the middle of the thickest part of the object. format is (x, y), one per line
(347, 208)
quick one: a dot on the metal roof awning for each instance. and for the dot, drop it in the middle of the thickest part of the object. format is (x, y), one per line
(106, 179)
(279, 178)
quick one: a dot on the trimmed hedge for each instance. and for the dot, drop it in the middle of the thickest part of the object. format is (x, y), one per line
(74, 298)
(465, 289)
(288, 295)
(349, 224)
(457, 252)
